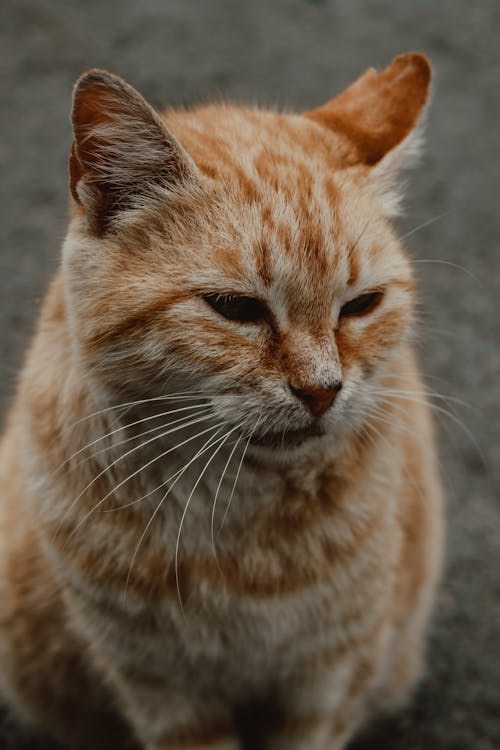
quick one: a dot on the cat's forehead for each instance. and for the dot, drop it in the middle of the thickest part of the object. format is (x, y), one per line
(219, 137)
(286, 213)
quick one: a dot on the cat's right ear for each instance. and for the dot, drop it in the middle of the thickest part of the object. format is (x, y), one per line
(380, 116)
(123, 156)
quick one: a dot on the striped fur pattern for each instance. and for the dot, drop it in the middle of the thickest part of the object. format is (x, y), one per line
(219, 533)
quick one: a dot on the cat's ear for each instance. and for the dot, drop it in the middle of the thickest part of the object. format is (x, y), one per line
(380, 114)
(123, 156)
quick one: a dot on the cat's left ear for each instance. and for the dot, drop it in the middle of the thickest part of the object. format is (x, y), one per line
(123, 158)
(380, 115)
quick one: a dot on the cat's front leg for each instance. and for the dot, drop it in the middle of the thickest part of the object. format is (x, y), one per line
(165, 719)
(192, 743)
(321, 711)
(300, 733)
(319, 733)
(196, 731)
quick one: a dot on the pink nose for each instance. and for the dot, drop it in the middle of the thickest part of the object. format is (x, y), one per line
(317, 400)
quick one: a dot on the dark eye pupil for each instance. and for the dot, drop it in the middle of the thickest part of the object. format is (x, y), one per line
(237, 307)
(360, 305)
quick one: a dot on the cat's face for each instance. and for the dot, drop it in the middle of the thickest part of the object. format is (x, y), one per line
(259, 269)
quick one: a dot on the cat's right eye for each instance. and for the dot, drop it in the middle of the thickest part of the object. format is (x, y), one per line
(238, 307)
(361, 305)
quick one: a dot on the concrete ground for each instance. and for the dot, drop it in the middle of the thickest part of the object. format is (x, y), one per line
(298, 53)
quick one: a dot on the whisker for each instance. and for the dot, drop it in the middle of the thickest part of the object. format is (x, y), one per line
(367, 425)
(130, 476)
(397, 424)
(447, 413)
(425, 394)
(447, 263)
(181, 396)
(206, 446)
(283, 433)
(353, 247)
(212, 520)
(155, 489)
(424, 224)
(426, 331)
(180, 420)
(175, 475)
(394, 422)
(201, 407)
(181, 523)
(238, 473)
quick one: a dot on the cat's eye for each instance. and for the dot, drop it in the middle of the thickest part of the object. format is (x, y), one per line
(238, 307)
(361, 305)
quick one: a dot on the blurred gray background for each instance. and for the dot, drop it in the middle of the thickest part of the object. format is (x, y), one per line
(298, 53)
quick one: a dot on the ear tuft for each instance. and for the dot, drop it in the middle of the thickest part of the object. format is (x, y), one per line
(123, 157)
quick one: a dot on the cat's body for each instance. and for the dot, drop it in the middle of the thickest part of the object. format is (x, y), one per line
(292, 608)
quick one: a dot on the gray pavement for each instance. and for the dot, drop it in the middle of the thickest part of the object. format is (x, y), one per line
(298, 53)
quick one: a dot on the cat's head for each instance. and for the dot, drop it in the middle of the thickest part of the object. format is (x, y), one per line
(241, 253)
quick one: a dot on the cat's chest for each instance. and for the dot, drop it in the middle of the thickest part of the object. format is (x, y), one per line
(267, 545)
(243, 638)
(229, 640)
(248, 590)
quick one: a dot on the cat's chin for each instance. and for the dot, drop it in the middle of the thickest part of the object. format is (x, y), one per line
(287, 439)
(290, 449)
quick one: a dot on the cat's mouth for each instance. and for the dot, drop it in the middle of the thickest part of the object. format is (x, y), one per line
(287, 438)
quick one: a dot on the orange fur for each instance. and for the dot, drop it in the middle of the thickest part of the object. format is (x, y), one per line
(217, 529)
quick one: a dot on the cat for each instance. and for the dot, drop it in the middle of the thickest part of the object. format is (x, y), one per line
(221, 518)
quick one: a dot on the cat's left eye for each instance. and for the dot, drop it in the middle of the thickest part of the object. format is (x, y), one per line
(361, 305)
(238, 307)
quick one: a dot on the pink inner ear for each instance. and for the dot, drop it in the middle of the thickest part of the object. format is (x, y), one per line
(379, 110)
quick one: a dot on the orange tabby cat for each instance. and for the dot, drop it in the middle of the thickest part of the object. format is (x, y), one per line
(220, 514)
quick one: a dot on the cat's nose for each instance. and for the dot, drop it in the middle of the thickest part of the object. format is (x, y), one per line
(317, 400)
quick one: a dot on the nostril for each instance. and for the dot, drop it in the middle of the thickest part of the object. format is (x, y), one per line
(317, 399)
